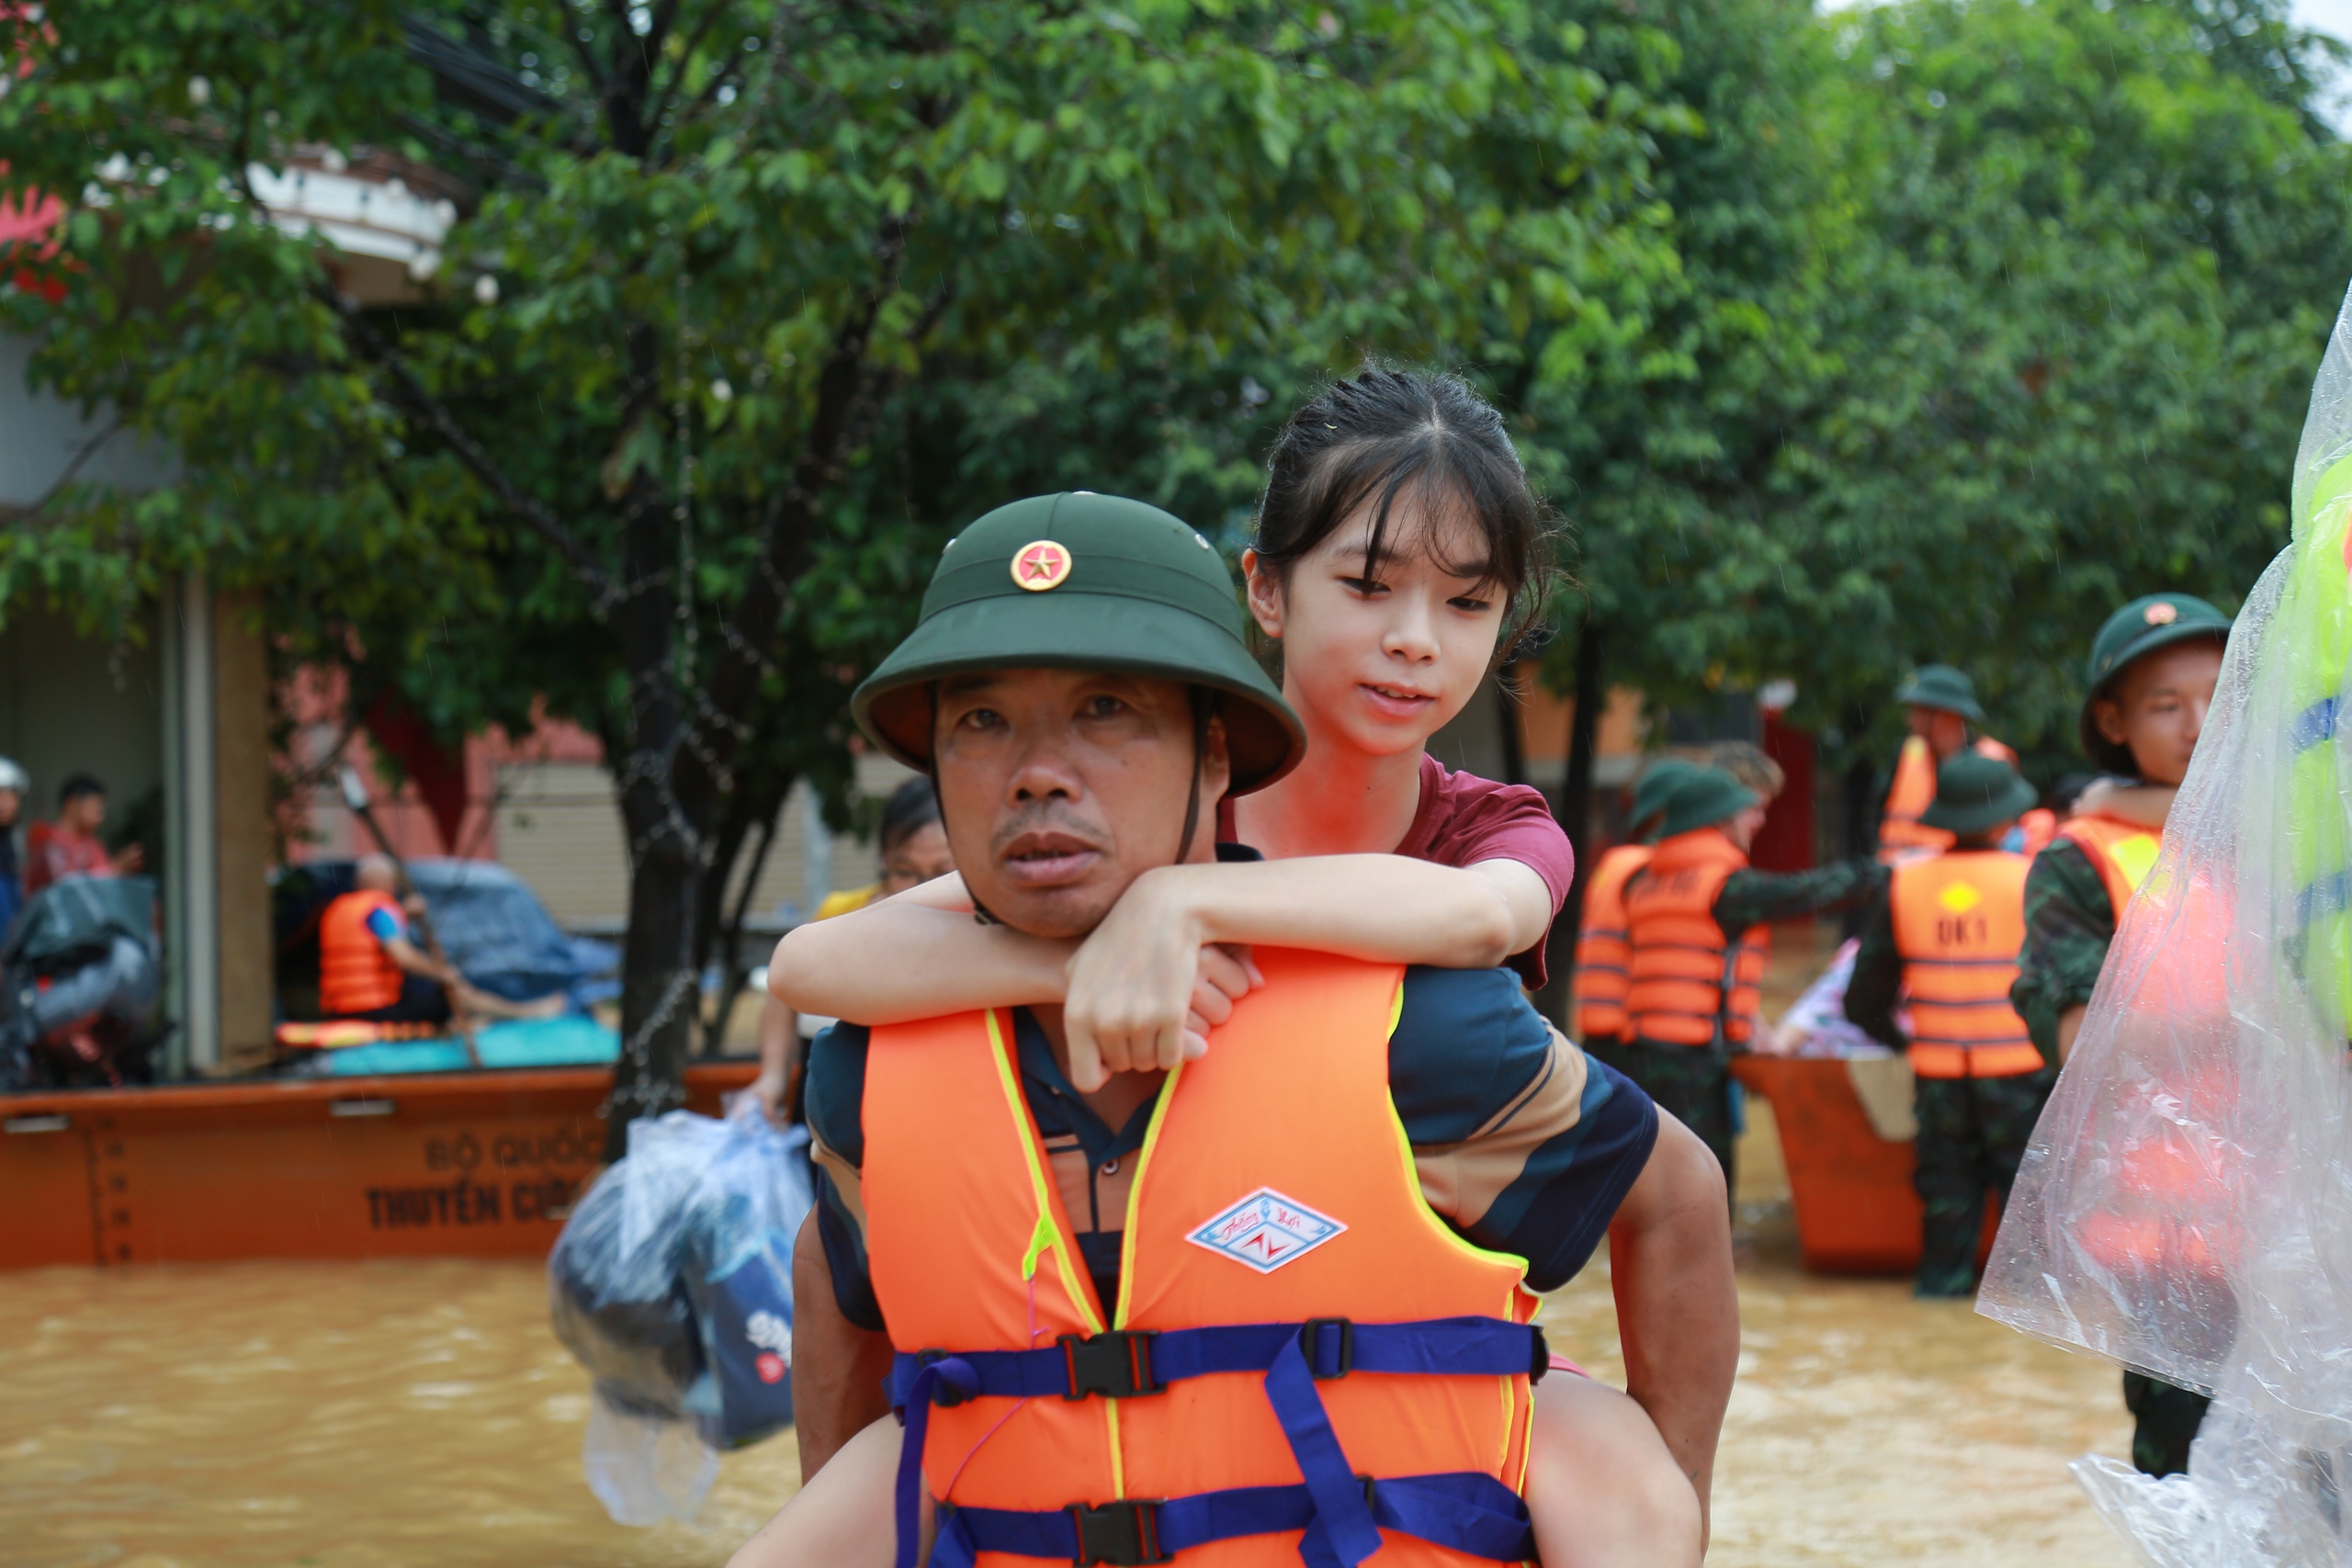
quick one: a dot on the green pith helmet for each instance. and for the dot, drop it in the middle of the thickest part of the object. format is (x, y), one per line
(1082, 581)
(1656, 783)
(2146, 624)
(1940, 686)
(1702, 799)
(1975, 792)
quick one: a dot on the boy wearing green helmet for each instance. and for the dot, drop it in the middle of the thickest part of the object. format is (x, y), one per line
(2153, 668)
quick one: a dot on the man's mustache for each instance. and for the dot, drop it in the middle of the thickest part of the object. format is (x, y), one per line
(1045, 817)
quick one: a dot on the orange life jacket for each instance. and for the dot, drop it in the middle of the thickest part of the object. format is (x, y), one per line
(1900, 835)
(1689, 985)
(355, 975)
(1604, 952)
(1274, 1191)
(2123, 852)
(1959, 924)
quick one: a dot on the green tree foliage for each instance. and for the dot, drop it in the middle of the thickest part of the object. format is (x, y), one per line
(1991, 315)
(747, 305)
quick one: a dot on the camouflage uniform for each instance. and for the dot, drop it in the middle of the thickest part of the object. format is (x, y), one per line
(1693, 1082)
(2069, 922)
(1972, 1132)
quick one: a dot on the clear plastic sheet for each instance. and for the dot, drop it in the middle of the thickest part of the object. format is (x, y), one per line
(2265, 1489)
(2184, 1207)
(672, 1285)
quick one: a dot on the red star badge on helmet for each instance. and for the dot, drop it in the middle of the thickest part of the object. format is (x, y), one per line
(1040, 565)
(2161, 613)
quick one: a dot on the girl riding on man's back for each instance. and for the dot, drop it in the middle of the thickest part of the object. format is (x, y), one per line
(1396, 547)
(1398, 551)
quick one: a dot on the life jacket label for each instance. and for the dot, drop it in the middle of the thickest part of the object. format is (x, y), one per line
(1266, 1230)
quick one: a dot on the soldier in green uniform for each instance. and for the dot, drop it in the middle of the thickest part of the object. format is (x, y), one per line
(2152, 670)
(1697, 915)
(1979, 1086)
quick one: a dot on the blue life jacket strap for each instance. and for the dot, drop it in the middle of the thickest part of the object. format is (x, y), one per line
(1466, 1511)
(1132, 1363)
(1340, 1511)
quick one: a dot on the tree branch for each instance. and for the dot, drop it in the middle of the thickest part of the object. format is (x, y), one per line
(430, 409)
(668, 96)
(580, 49)
(88, 450)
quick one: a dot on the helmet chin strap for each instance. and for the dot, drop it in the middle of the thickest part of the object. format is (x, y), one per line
(1202, 706)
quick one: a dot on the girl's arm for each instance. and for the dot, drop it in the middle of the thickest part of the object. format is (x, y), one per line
(1132, 983)
(1525, 894)
(920, 955)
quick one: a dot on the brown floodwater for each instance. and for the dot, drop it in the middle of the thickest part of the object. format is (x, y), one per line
(357, 1415)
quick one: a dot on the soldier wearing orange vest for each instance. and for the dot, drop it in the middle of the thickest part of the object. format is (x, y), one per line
(1274, 1302)
(1696, 917)
(1945, 940)
(1603, 949)
(1942, 704)
(2153, 668)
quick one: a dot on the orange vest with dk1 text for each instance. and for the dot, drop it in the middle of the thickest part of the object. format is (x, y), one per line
(1275, 1207)
(1690, 986)
(1959, 924)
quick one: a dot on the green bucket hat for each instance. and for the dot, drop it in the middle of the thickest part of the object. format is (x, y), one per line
(1974, 792)
(1940, 686)
(1655, 784)
(1082, 581)
(1702, 798)
(2148, 622)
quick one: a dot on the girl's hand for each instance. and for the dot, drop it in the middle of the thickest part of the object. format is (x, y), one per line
(1144, 988)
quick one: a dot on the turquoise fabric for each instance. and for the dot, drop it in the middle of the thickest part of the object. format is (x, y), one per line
(572, 1041)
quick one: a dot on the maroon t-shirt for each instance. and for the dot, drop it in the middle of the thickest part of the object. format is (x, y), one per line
(1464, 819)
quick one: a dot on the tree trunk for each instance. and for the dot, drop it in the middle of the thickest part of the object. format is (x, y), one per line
(660, 988)
(728, 931)
(1575, 818)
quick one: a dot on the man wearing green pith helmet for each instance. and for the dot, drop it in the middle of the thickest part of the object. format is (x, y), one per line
(2152, 673)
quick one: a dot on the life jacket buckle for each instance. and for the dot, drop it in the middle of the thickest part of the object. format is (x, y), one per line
(1115, 1364)
(943, 1394)
(1125, 1533)
(1539, 1354)
(1310, 1341)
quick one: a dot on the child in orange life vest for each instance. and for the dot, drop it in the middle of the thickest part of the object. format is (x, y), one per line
(1945, 936)
(2153, 668)
(1398, 549)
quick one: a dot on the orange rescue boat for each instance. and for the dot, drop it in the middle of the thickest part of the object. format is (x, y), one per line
(468, 1164)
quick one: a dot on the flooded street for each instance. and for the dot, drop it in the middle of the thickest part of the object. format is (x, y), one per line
(351, 1416)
